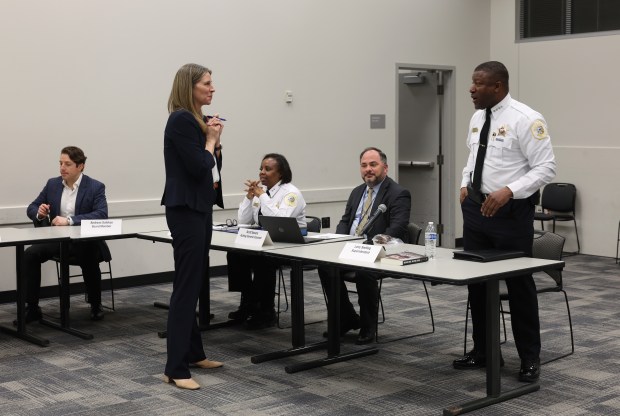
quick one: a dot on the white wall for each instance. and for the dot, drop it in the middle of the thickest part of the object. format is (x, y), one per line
(97, 74)
(573, 82)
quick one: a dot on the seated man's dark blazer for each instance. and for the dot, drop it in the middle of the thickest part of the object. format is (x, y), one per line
(90, 204)
(393, 222)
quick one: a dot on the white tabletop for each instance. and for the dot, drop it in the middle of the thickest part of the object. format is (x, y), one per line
(141, 225)
(31, 235)
(222, 240)
(441, 269)
(129, 228)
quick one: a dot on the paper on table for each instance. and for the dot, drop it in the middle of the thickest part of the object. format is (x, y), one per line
(326, 236)
(234, 228)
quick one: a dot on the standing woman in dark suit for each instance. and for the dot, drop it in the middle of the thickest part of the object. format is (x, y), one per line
(192, 155)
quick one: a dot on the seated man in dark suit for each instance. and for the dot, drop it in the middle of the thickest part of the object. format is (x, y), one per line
(377, 189)
(66, 200)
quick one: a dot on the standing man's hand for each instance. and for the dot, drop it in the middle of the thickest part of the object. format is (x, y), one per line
(463, 194)
(495, 201)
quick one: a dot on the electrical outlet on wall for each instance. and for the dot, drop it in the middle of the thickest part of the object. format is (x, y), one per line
(325, 222)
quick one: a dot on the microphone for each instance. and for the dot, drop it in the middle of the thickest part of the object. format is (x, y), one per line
(371, 221)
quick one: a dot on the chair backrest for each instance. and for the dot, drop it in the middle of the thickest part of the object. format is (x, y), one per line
(559, 197)
(414, 233)
(313, 224)
(548, 245)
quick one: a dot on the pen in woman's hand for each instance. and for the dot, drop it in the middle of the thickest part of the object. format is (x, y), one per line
(219, 118)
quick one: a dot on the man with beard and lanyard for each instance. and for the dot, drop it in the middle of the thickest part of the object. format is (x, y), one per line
(510, 159)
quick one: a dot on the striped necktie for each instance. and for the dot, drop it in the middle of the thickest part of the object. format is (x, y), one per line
(365, 212)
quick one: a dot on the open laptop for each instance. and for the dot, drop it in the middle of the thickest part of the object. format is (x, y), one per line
(284, 230)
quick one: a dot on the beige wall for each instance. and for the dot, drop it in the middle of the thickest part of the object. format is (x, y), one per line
(97, 74)
(574, 84)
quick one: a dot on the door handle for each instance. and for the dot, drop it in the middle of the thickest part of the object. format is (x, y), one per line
(416, 164)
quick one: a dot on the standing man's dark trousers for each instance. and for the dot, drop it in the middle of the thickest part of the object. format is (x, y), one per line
(512, 228)
(368, 300)
(86, 253)
(191, 239)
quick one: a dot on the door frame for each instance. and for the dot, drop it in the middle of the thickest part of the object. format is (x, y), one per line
(448, 183)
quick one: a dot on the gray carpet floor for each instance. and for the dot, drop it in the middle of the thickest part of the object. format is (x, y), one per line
(119, 372)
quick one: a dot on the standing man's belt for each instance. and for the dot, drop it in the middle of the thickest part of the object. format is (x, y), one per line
(475, 195)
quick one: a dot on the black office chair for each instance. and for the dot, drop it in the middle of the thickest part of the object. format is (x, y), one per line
(547, 245)
(313, 225)
(558, 204)
(104, 255)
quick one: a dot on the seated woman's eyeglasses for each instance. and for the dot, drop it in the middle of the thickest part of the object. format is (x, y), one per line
(231, 223)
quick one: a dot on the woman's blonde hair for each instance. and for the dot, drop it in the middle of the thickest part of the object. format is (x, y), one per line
(181, 96)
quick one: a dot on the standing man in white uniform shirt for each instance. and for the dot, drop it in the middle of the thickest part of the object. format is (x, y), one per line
(273, 195)
(510, 159)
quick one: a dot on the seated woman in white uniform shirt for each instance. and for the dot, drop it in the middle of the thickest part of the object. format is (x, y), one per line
(272, 195)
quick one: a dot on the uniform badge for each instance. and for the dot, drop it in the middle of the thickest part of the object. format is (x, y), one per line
(539, 130)
(256, 204)
(474, 130)
(291, 200)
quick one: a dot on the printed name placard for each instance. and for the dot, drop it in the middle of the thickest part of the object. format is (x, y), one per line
(252, 238)
(360, 252)
(100, 227)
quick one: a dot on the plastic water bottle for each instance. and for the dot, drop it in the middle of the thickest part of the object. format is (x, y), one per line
(430, 240)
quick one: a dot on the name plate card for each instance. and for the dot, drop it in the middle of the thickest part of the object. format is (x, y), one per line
(360, 252)
(100, 227)
(252, 238)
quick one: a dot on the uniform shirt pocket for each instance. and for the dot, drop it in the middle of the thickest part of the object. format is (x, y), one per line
(500, 150)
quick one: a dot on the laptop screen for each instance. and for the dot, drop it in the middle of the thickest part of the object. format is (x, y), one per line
(282, 229)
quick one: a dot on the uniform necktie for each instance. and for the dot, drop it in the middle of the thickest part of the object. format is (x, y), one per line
(365, 212)
(482, 151)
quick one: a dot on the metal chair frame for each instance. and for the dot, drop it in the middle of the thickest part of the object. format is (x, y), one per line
(105, 256)
(414, 232)
(547, 245)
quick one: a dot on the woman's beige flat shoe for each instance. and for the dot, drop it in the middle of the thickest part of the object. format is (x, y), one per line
(208, 364)
(183, 383)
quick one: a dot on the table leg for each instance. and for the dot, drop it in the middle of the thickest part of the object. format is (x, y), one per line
(20, 286)
(494, 393)
(333, 332)
(65, 295)
(297, 321)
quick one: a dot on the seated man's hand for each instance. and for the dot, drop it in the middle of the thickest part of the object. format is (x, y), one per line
(60, 221)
